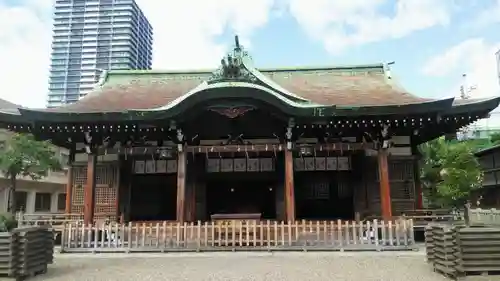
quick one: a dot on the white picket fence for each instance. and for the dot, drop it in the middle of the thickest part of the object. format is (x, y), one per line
(239, 235)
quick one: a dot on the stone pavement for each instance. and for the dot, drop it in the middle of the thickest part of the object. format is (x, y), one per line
(386, 266)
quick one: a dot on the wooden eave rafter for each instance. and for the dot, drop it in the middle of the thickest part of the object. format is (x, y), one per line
(316, 111)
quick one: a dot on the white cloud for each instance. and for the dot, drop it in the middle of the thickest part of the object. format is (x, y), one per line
(185, 34)
(185, 31)
(488, 16)
(25, 35)
(340, 24)
(474, 57)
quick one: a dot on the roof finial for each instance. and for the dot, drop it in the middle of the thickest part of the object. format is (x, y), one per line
(387, 69)
(466, 89)
(237, 42)
(233, 65)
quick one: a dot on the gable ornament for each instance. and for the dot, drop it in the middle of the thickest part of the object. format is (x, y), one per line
(232, 67)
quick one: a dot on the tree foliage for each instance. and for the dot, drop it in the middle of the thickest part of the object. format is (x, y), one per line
(449, 171)
(495, 139)
(479, 144)
(22, 155)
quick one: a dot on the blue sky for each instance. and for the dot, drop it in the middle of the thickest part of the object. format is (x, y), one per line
(284, 42)
(433, 42)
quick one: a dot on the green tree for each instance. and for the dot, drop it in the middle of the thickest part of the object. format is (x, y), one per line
(24, 156)
(495, 138)
(449, 171)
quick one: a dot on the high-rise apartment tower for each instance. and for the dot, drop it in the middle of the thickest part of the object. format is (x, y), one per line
(91, 36)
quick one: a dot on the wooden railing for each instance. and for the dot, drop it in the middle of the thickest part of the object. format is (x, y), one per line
(55, 220)
(47, 218)
(244, 235)
(483, 217)
(422, 217)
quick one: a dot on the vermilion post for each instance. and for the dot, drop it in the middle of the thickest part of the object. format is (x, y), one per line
(69, 189)
(289, 187)
(385, 188)
(69, 183)
(88, 200)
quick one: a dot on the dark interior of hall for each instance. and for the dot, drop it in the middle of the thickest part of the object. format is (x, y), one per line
(153, 197)
(242, 193)
(323, 195)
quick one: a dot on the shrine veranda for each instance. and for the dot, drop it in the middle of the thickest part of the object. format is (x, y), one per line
(316, 143)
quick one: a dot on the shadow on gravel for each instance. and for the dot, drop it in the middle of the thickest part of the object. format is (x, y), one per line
(60, 272)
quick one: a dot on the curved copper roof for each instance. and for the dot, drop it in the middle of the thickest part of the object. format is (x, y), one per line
(341, 86)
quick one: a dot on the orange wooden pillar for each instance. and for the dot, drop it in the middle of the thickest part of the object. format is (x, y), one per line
(69, 189)
(289, 187)
(385, 188)
(69, 183)
(88, 199)
(181, 186)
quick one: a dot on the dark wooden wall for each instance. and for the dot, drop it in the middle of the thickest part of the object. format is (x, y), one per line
(111, 200)
(490, 163)
(490, 193)
(402, 181)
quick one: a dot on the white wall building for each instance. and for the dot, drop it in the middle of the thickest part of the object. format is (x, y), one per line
(42, 196)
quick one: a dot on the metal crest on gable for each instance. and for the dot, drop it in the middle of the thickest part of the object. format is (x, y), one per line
(233, 67)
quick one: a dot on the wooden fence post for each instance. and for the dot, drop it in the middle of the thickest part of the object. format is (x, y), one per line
(467, 214)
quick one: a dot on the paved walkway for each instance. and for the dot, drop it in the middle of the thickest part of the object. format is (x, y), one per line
(408, 266)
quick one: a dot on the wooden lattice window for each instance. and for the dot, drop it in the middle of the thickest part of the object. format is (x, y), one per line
(402, 190)
(105, 193)
(401, 170)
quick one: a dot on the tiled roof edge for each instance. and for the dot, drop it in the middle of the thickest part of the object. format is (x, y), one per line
(379, 67)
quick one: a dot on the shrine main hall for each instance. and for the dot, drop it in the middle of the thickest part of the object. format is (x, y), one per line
(316, 143)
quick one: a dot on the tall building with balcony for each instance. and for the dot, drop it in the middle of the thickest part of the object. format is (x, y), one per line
(91, 36)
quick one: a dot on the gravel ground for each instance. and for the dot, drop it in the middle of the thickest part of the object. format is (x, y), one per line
(409, 266)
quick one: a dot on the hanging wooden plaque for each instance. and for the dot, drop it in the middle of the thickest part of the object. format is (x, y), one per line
(240, 165)
(226, 165)
(331, 163)
(213, 165)
(298, 164)
(171, 166)
(343, 164)
(252, 165)
(266, 164)
(320, 164)
(150, 167)
(161, 166)
(139, 166)
(309, 163)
